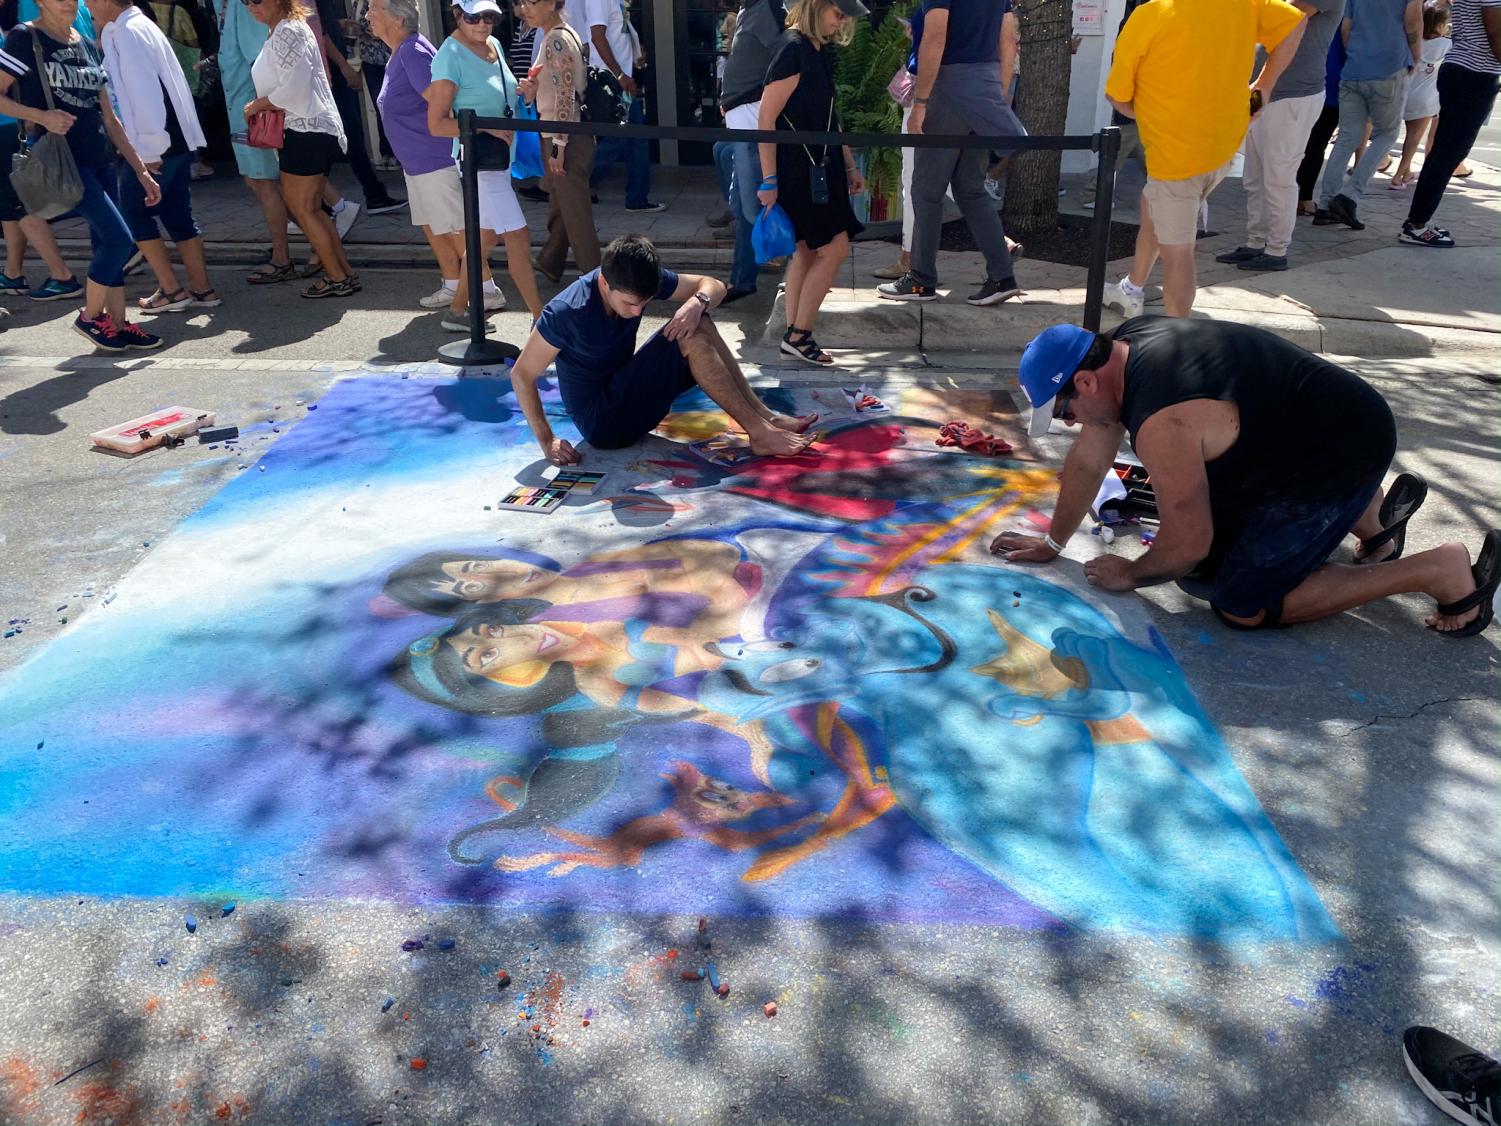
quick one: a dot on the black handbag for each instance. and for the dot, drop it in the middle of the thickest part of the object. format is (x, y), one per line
(44, 173)
(491, 154)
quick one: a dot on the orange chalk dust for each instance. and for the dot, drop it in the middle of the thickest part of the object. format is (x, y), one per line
(419, 1064)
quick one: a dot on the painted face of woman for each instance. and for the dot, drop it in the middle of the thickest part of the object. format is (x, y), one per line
(491, 580)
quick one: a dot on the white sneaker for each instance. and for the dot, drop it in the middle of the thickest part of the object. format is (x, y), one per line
(453, 323)
(346, 211)
(495, 301)
(1129, 304)
(439, 298)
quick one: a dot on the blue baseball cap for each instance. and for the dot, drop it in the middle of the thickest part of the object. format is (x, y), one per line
(1048, 362)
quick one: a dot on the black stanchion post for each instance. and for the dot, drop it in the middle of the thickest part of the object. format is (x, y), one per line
(478, 349)
(1108, 145)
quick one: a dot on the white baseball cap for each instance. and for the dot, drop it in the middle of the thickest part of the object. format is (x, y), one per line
(478, 7)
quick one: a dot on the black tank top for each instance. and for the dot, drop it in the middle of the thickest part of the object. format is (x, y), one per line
(1308, 428)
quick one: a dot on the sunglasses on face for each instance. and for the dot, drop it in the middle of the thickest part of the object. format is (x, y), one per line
(252, 3)
(483, 17)
(1064, 399)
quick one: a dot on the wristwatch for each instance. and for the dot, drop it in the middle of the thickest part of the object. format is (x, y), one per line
(704, 297)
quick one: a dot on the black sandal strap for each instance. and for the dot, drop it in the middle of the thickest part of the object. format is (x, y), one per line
(1487, 575)
(1407, 493)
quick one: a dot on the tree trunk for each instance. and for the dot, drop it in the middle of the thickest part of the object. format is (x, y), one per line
(1042, 104)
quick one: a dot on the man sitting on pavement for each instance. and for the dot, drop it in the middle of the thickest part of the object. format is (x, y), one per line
(617, 395)
(1263, 458)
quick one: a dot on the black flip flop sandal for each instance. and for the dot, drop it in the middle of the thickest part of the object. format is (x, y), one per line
(1487, 574)
(1403, 499)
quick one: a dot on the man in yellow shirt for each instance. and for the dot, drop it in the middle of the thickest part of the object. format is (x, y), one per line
(1181, 70)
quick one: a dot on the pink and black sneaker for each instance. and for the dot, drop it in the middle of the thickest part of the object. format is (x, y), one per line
(101, 332)
(134, 336)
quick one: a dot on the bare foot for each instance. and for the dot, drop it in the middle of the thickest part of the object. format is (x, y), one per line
(1365, 558)
(776, 442)
(1457, 582)
(795, 425)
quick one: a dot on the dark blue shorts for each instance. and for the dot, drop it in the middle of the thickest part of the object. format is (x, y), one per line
(636, 398)
(1276, 547)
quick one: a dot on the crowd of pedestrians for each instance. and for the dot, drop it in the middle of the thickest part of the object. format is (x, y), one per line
(123, 84)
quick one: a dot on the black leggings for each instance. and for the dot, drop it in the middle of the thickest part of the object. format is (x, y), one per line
(1465, 98)
(1313, 155)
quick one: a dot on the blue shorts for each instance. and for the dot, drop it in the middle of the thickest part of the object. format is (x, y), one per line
(635, 399)
(1274, 549)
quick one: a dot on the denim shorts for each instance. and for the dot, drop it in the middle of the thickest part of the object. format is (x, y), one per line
(175, 211)
(1274, 549)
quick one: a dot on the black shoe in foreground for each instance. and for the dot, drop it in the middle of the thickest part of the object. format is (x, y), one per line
(1457, 1079)
(1240, 254)
(1342, 210)
(993, 292)
(1263, 262)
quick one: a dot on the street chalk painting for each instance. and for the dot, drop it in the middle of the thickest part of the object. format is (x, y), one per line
(787, 688)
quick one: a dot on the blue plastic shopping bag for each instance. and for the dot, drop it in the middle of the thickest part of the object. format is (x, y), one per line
(526, 152)
(772, 235)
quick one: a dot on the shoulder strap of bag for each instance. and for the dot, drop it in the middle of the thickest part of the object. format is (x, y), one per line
(41, 66)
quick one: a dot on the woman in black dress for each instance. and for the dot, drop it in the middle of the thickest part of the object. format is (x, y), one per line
(813, 183)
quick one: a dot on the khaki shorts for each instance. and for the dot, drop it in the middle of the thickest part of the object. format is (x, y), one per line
(1175, 204)
(437, 200)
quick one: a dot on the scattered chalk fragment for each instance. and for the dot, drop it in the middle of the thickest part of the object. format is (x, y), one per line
(412, 944)
(419, 1064)
(385, 1006)
(163, 960)
(446, 944)
(711, 971)
(586, 1024)
(770, 1008)
(227, 910)
(289, 981)
(703, 924)
(692, 975)
(191, 923)
(502, 979)
(724, 989)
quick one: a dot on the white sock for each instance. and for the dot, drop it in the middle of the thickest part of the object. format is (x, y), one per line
(450, 285)
(1130, 287)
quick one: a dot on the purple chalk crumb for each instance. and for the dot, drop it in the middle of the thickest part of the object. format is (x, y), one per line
(162, 961)
(446, 944)
(312, 406)
(412, 944)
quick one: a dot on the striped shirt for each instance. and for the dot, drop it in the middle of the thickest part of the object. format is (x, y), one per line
(1472, 48)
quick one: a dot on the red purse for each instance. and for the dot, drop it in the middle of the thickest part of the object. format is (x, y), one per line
(267, 129)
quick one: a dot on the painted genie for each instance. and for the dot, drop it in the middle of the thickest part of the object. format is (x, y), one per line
(1023, 731)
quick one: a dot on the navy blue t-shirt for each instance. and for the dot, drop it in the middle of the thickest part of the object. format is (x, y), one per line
(76, 72)
(593, 344)
(974, 32)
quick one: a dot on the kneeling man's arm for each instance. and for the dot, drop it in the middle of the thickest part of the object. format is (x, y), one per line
(1172, 449)
(530, 365)
(1088, 460)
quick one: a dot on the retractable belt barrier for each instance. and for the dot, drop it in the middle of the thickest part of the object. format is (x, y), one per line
(478, 349)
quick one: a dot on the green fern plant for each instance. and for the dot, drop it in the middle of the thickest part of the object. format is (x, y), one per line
(862, 71)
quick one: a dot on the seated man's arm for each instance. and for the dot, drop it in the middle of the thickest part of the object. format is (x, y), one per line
(1171, 446)
(530, 365)
(685, 321)
(1090, 458)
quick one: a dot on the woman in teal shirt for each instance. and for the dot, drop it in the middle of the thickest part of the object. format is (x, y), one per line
(470, 72)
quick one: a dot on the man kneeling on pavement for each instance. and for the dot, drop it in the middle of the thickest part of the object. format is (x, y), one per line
(1263, 458)
(617, 395)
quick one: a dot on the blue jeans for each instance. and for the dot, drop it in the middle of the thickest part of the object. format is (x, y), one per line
(633, 152)
(739, 167)
(1379, 101)
(175, 211)
(109, 237)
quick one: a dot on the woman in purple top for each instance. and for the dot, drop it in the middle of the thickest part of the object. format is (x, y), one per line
(433, 187)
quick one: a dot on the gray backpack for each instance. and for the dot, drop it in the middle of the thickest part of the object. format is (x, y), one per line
(44, 173)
